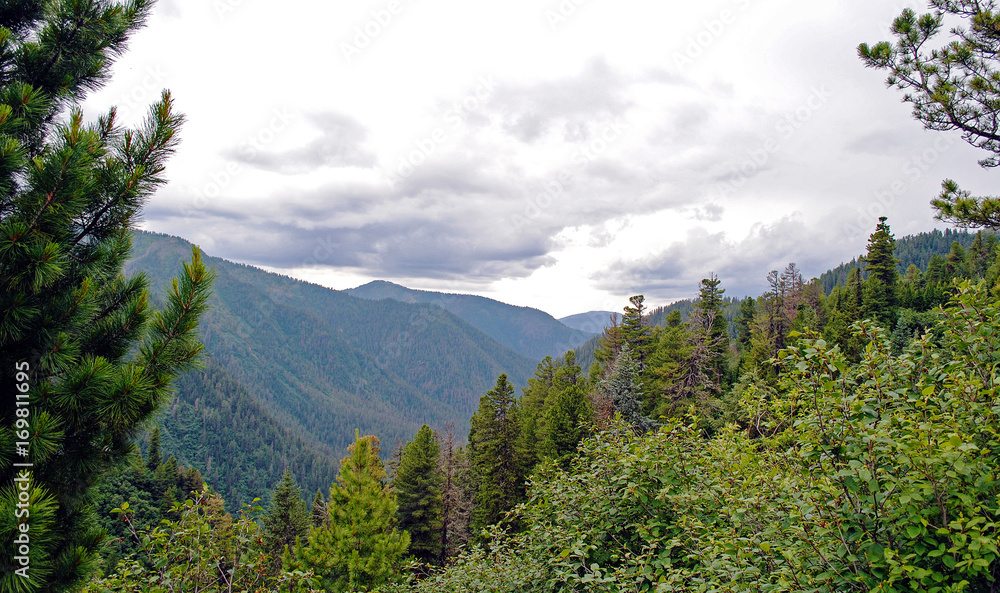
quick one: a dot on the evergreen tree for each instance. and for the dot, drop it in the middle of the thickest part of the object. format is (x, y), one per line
(710, 326)
(623, 388)
(671, 347)
(951, 88)
(494, 457)
(744, 321)
(153, 457)
(634, 332)
(533, 405)
(565, 422)
(360, 548)
(418, 485)
(318, 509)
(608, 347)
(286, 518)
(882, 284)
(95, 361)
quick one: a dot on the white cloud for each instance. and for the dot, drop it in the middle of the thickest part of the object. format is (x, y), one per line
(471, 146)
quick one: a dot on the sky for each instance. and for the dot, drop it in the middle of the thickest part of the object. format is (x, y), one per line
(559, 154)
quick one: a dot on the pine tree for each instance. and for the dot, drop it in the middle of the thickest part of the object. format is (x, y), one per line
(418, 485)
(97, 362)
(951, 88)
(360, 548)
(494, 458)
(286, 518)
(153, 457)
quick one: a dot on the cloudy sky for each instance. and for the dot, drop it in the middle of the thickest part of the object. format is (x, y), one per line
(561, 154)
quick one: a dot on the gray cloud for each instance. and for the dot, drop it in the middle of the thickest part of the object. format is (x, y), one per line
(339, 144)
(571, 103)
(742, 266)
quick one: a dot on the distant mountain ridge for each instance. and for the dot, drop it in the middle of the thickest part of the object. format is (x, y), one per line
(592, 322)
(530, 332)
(310, 365)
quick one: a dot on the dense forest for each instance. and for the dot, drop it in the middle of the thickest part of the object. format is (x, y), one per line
(171, 422)
(696, 446)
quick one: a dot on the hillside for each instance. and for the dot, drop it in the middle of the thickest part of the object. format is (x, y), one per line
(592, 322)
(530, 332)
(910, 250)
(321, 363)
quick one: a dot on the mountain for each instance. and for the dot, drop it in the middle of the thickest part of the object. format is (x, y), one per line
(530, 332)
(592, 322)
(302, 367)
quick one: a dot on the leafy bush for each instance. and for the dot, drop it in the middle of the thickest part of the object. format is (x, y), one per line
(879, 476)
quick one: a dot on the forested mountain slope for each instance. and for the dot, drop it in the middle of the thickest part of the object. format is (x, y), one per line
(530, 332)
(591, 321)
(910, 250)
(321, 363)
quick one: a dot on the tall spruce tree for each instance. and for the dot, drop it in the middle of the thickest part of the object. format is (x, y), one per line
(153, 456)
(709, 325)
(286, 518)
(418, 485)
(623, 387)
(494, 457)
(76, 336)
(568, 411)
(634, 332)
(879, 296)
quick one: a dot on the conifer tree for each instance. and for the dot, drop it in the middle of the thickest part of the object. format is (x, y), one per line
(882, 284)
(710, 326)
(418, 485)
(153, 457)
(622, 386)
(494, 457)
(565, 422)
(532, 407)
(951, 87)
(98, 362)
(360, 548)
(286, 518)
(318, 509)
(633, 331)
